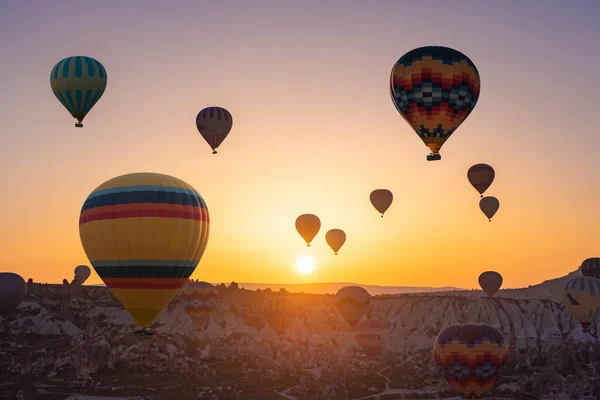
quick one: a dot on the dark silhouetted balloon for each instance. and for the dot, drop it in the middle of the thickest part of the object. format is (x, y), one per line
(370, 335)
(335, 239)
(490, 282)
(352, 302)
(214, 124)
(489, 206)
(82, 273)
(591, 267)
(279, 313)
(481, 177)
(472, 357)
(381, 200)
(12, 291)
(308, 225)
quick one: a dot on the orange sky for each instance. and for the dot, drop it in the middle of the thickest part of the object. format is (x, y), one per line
(314, 131)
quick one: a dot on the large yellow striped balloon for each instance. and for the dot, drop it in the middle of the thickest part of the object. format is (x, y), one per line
(144, 234)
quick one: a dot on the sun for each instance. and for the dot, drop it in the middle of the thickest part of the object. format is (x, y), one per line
(305, 265)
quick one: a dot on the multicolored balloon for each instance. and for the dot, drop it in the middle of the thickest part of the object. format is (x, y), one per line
(490, 282)
(78, 83)
(481, 177)
(279, 313)
(591, 267)
(472, 357)
(335, 238)
(200, 300)
(308, 225)
(381, 200)
(370, 335)
(144, 234)
(352, 302)
(489, 206)
(82, 273)
(214, 124)
(435, 89)
(582, 296)
(12, 291)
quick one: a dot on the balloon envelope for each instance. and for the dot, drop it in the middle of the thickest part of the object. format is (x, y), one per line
(352, 302)
(200, 300)
(489, 206)
(381, 200)
(279, 313)
(335, 239)
(490, 282)
(144, 234)
(582, 296)
(308, 225)
(82, 273)
(481, 177)
(370, 335)
(435, 89)
(78, 83)
(214, 124)
(472, 357)
(591, 267)
(12, 291)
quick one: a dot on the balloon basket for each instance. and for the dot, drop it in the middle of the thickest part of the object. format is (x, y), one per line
(434, 157)
(145, 332)
(214, 152)
(78, 125)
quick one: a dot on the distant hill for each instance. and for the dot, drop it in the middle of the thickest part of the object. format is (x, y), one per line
(333, 287)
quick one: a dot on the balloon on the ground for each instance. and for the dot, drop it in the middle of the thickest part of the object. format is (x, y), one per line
(381, 199)
(200, 300)
(370, 335)
(308, 225)
(78, 83)
(489, 206)
(490, 282)
(435, 89)
(591, 267)
(335, 239)
(352, 302)
(472, 357)
(82, 273)
(582, 296)
(144, 234)
(214, 124)
(12, 291)
(481, 177)
(279, 312)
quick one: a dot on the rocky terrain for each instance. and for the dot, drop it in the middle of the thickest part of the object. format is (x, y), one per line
(73, 344)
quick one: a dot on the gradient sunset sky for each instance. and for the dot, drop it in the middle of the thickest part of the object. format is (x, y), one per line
(315, 131)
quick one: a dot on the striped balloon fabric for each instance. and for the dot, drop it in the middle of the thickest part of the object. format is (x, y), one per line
(199, 301)
(582, 296)
(279, 313)
(472, 357)
(78, 83)
(481, 177)
(214, 124)
(591, 267)
(144, 234)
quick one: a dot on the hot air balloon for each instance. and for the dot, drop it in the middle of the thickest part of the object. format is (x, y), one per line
(279, 313)
(591, 267)
(490, 282)
(370, 335)
(78, 83)
(214, 124)
(489, 205)
(472, 357)
(82, 273)
(481, 177)
(381, 200)
(308, 226)
(352, 302)
(435, 89)
(199, 301)
(582, 296)
(335, 239)
(144, 234)
(12, 291)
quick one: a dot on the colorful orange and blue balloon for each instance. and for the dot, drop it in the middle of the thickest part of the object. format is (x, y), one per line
(435, 89)
(144, 234)
(582, 296)
(472, 357)
(200, 301)
(78, 83)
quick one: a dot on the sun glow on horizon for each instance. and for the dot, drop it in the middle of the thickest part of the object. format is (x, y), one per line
(305, 265)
